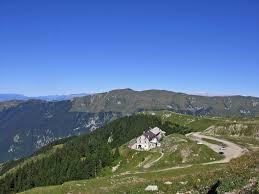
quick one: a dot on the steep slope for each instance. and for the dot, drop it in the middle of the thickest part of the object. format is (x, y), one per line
(239, 176)
(8, 104)
(81, 157)
(25, 126)
(184, 166)
(28, 126)
(88, 156)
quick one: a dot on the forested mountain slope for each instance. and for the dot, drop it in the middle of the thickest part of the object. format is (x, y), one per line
(26, 126)
(80, 157)
(30, 125)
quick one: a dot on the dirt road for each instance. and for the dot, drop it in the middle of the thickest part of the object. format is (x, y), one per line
(230, 151)
(148, 165)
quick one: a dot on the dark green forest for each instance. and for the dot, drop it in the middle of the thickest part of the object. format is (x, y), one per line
(80, 157)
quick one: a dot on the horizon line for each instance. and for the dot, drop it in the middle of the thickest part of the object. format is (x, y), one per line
(206, 94)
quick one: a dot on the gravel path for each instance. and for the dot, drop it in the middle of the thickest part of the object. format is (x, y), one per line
(148, 165)
(230, 151)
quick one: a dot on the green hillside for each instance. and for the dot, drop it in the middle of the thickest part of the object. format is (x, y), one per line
(196, 123)
(175, 150)
(95, 161)
(195, 179)
(234, 126)
(26, 126)
(80, 157)
(132, 177)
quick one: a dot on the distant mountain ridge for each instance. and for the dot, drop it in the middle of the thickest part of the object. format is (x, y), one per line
(26, 126)
(129, 101)
(9, 97)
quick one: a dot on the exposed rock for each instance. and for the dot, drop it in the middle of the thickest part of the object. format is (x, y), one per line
(110, 139)
(168, 183)
(114, 168)
(184, 183)
(151, 188)
(16, 138)
(251, 186)
(11, 148)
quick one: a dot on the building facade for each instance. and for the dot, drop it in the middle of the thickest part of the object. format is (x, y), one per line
(149, 139)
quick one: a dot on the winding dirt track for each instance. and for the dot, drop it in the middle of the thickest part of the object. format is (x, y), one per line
(148, 165)
(231, 151)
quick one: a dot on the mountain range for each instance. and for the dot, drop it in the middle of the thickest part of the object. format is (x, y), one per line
(8, 97)
(27, 125)
(102, 162)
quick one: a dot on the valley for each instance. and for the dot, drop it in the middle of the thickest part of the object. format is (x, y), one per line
(34, 123)
(94, 156)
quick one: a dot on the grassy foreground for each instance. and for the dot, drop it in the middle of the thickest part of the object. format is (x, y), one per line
(195, 179)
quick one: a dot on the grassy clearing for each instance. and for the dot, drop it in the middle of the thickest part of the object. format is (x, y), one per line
(177, 150)
(196, 178)
(235, 128)
(196, 123)
(239, 126)
(114, 184)
(232, 176)
(134, 160)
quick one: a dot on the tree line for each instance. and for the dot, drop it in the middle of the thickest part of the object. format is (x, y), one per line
(82, 157)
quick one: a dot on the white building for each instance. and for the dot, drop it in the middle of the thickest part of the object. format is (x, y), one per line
(148, 140)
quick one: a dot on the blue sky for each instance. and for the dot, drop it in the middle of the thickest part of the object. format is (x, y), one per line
(61, 47)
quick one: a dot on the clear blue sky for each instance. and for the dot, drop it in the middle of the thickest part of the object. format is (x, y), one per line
(74, 46)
